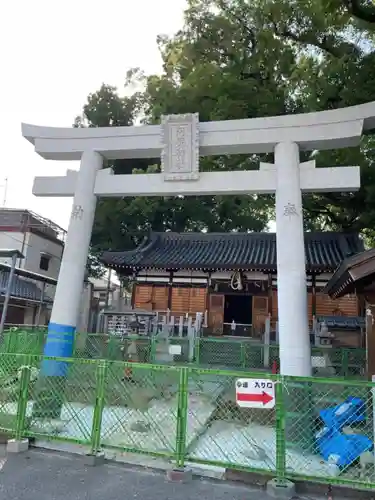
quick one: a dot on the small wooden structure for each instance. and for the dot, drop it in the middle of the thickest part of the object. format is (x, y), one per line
(357, 275)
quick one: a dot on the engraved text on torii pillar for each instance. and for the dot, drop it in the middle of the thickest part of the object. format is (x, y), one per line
(180, 137)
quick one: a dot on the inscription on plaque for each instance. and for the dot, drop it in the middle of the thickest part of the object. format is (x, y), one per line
(180, 154)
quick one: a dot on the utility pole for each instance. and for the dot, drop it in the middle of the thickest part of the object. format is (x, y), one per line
(5, 194)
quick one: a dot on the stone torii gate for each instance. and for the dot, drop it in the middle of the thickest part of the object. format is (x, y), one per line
(180, 140)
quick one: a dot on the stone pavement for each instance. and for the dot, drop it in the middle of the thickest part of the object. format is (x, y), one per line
(46, 475)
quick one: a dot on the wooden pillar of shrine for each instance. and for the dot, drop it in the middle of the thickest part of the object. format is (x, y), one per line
(370, 334)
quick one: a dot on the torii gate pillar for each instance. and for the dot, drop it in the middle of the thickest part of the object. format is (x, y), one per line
(295, 352)
(66, 306)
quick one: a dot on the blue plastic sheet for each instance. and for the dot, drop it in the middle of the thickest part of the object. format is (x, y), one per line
(351, 411)
(336, 447)
(340, 449)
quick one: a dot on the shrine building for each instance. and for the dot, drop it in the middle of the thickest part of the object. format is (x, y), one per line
(231, 277)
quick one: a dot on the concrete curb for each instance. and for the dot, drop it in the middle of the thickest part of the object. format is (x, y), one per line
(94, 460)
(277, 488)
(183, 475)
(15, 446)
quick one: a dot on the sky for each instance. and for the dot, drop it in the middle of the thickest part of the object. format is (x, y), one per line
(53, 54)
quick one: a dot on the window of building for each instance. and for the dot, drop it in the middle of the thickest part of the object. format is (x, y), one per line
(44, 262)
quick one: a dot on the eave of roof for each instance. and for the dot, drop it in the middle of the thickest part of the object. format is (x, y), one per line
(28, 274)
(230, 251)
(22, 289)
(343, 281)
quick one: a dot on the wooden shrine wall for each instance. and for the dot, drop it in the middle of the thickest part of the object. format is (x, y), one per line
(182, 300)
(345, 306)
(188, 300)
(151, 298)
(325, 306)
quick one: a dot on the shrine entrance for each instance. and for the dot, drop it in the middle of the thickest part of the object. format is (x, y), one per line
(238, 309)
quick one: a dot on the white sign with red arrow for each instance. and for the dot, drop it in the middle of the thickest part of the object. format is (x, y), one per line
(255, 393)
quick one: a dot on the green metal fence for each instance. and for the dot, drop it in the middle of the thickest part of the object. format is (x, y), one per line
(23, 341)
(207, 352)
(319, 429)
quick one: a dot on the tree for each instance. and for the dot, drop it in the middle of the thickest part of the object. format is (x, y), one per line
(238, 59)
(124, 223)
(333, 66)
(336, 66)
(94, 267)
(361, 10)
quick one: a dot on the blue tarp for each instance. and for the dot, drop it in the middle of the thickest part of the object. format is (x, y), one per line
(336, 447)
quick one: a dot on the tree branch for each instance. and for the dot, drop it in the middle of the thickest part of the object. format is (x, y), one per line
(310, 39)
(250, 40)
(359, 11)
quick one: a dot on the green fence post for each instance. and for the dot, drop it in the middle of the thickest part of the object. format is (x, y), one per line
(182, 411)
(242, 355)
(74, 348)
(23, 395)
(40, 342)
(344, 363)
(280, 431)
(101, 377)
(153, 349)
(8, 341)
(197, 350)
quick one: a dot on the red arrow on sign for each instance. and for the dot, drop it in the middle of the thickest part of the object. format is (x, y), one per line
(255, 398)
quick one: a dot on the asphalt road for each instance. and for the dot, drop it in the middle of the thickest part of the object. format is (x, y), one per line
(49, 476)
(43, 475)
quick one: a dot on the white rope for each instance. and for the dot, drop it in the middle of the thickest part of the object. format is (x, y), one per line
(236, 281)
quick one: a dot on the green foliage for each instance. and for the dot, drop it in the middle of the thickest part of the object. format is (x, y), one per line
(94, 268)
(238, 59)
(362, 11)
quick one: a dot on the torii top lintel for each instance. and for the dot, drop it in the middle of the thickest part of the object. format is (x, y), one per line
(319, 130)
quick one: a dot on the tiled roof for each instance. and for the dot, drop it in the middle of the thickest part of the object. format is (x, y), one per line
(247, 251)
(342, 322)
(354, 274)
(21, 288)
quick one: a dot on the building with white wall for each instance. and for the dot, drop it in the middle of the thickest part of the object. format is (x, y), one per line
(106, 290)
(42, 244)
(39, 239)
